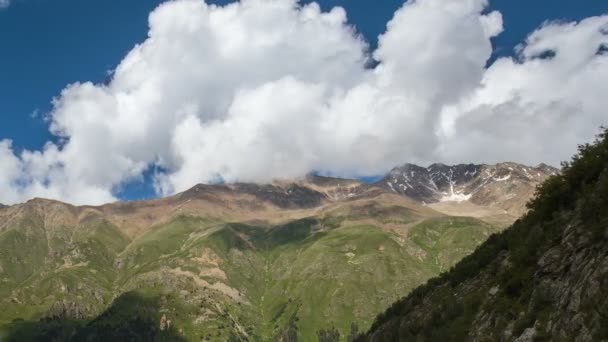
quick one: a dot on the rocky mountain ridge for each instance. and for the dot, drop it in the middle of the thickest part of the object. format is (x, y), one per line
(506, 186)
(502, 188)
(280, 201)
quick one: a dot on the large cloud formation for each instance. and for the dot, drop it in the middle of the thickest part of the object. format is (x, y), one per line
(264, 89)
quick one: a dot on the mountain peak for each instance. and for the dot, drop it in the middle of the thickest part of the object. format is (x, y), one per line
(505, 185)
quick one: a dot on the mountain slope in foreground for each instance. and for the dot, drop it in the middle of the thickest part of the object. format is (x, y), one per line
(543, 279)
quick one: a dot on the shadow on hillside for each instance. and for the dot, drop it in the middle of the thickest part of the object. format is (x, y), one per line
(131, 317)
(245, 237)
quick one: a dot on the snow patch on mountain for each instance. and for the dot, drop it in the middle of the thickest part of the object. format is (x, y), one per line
(502, 179)
(507, 186)
(455, 196)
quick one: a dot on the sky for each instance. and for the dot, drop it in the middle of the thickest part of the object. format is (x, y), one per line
(107, 100)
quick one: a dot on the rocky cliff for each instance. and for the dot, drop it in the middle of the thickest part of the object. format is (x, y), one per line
(503, 186)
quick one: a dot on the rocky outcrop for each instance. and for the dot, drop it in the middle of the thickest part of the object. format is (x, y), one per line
(507, 186)
(164, 324)
(69, 311)
(293, 196)
(289, 196)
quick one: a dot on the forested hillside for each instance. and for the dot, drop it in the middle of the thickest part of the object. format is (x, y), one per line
(543, 279)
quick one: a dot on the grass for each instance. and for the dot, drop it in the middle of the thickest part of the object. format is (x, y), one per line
(447, 240)
(314, 273)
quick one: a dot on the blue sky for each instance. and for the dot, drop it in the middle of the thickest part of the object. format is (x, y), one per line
(47, 44)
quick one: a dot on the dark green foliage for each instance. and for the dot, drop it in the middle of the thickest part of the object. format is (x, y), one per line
(578, 194)
(329, 335)
(44, 330)
(289, 334)
(583, 183)
(354, 333)
(132, 317)
(292, 232)
(265, 239)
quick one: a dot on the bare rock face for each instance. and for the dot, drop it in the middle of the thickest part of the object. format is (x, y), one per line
(527, 336)
(506, 186)
(290, 197)
(69, 311)
(164, 324)
(431, 184)
(283, 196)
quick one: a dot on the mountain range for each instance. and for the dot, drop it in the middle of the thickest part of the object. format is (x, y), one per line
(504, 187)
(300, 259)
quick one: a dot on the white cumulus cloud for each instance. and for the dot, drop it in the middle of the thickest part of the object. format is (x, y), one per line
(263, 89)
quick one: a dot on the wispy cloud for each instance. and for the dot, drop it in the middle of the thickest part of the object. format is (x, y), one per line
(4, 3)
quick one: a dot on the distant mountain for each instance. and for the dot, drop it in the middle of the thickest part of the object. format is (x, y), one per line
(222, 262)
(295, 259)
(504, 186)
(543, 279)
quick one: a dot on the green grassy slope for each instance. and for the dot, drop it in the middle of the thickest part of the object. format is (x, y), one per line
(218, 280)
